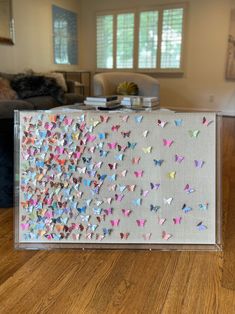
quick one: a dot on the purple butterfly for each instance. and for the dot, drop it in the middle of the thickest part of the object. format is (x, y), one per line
(199, 163)
(154, 186)
(179, 158)
(201, 227)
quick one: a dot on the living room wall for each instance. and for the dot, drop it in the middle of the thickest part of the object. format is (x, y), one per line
(203, 85)
(33, 47)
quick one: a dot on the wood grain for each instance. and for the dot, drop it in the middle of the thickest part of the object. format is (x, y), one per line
(126, 282)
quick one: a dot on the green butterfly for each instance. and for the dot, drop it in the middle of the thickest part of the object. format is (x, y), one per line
(194, 133)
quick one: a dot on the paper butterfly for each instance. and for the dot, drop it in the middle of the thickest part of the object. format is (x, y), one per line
(168, 200)
(122, 188)
(140, 222)
(104, 119)
(138, 119)
(158, 162)
(161, 123)
(118, 197)
(112, 145)
(89, 235)
(119, 157)
(108, 200)
(98, 203)
(76, 236)
(112, 166)
(147, 150)
(186, 209)
(179, 158)
(154, 208)
(87, 182)
(201, 226)
(82, 209)
(88, 202)
(126, 212)
(145, 133)
(86, 160)
(99, 237)
(100, 218)
(125, 118)
(91, 138)
(166, 236)
(131, 188)
(85, 218)
(177, 220)
(203, 206)
(97, 211)
(161, 220)
(123, 173)
(121, 148)
(115, 222)
(91, 173)
(126, 134)
(124, 235)
(108, 211)
(107, 231)
(194, 133)
(112, 187)
(103, 153)
(147, 236)
(171, 175)
(131, 145)
(144, 193)
(115, 127)
(135, 160)
(95, 123)
(198, 163)
(206, 122)
(112, 178)
(81, 170)
(102, 136)
(92, 227)
(137, 201)
(178, 122)
(98, 165)
(138, 173)
(167, 143)
(154, 186)
(188, 189)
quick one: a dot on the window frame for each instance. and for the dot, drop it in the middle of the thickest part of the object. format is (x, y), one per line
(160, 8)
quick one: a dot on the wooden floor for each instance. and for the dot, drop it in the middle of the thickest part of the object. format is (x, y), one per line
(123, 281)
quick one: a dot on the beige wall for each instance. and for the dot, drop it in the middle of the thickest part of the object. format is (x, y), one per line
(203, 85)
(33, 32)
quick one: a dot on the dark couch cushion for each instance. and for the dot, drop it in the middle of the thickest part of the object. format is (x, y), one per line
(43, 102)
(7, 107)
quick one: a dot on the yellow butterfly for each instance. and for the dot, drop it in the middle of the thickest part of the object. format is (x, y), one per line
(75, 136)
(194, 133)
(95, 123)
(171, 175)
(147, 150)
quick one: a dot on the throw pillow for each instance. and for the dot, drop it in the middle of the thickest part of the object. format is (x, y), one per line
(6, 92)
(59, 77)
(127, 88)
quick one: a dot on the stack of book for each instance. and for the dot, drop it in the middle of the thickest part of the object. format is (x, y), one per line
(140, 102)
(103, 102)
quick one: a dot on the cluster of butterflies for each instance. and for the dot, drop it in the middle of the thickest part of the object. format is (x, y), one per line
(58, 160)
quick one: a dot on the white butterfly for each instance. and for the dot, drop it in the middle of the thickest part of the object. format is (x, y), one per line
(168, 200)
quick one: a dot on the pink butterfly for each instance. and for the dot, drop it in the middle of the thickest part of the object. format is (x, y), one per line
(115, 127)
(77, 155)
(177, 220)
(76, 236)
(167, 143)
(206, 122)
(147, 236)
(124, 235)
(112, 166)
(24, 226)
(135, 160)
(179, 158)
(68, 121)
(91, 149)
(104, 119)
(91, 138)
(161, 123)
(139, 173)
(112, 145)
(99, 237)
(166, 236)
(101, 218)
(98, 165)
(161, 220)
(198, 163)
(123, 173)
(125, 118)
(126, 212)
(141, 222)
(131, 188)
(118, 197)
(59, 150)
(108, 211)
(122, 148)
(188, 189)
(115, 222)
(89, 235)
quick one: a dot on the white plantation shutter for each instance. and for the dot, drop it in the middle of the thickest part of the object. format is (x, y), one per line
(104, 41)
(171, 43)
(125, 41)
(148, 39)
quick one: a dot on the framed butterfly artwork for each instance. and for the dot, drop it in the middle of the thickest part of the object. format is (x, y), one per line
(123, 179)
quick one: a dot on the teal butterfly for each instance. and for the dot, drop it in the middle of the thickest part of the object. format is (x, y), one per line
(131, 145)
(137, 201)
(178, 122)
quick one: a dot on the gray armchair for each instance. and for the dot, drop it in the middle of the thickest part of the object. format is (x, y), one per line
(106, 83)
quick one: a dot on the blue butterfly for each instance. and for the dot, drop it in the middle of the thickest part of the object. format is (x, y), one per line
(92, 227)
(40, 226)
(100, 145)
(91, 173)
(203, 206)
(112, 178)
(39, 163)
(138, 119)
(95, 190)
(154, 208)
(81, 210)
(74, 205)
(61, 117)
(137, 201)
(186, 209)
(178, 122)
(42, 134)
(87, 182)
(67, 192)
(88, 202)
(122, 188)
(158, 162)
(103, 153)
(119, 157)
(25, 181)
(97, 211)
(58, 212)
(107, 231)
(131, 145)
(102, 136)
(90, 166)
(201, 227)
(81, 118)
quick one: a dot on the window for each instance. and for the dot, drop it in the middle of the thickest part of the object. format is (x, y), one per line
(64, 36)
(150, 40)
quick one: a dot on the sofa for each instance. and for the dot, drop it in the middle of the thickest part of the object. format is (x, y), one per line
(106, 83)
(38, 99)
